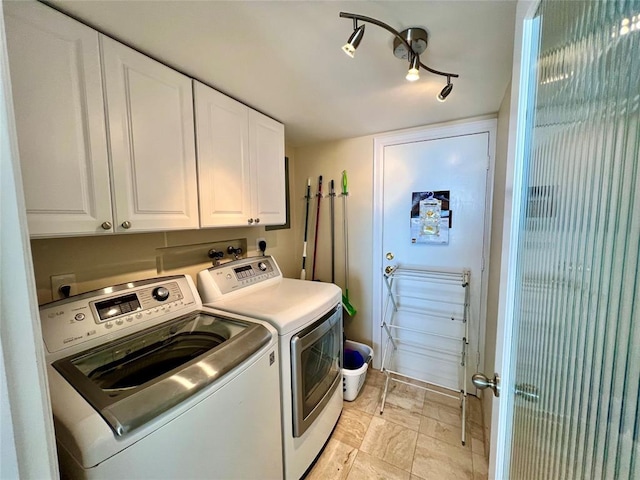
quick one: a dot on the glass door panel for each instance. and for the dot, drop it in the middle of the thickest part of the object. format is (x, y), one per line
(577, 298)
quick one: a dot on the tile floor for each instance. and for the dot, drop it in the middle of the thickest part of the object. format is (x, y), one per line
(417, 437)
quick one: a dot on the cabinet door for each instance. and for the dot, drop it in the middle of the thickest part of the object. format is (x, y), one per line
(266, 140)
(151, 135)
(59, 110)
(222, 126)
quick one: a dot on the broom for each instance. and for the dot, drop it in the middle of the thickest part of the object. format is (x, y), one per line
(346, 304)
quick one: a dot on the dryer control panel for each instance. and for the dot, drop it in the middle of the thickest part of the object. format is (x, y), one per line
(115, 311)
(237, 275)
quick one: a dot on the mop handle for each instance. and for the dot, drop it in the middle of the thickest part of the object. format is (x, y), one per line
(315, 240)
(345, 194)
(332, 195)
(303, 274)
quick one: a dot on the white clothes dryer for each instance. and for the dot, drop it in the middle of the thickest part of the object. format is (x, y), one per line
(308, 318)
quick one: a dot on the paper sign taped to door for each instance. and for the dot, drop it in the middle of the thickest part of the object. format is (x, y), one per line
(430, 217)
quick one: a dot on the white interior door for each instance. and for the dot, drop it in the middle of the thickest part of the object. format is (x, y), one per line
(569, 328)
(457, 160)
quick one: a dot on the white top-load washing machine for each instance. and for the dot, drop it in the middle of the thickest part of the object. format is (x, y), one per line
(146, 383)
(308, 318)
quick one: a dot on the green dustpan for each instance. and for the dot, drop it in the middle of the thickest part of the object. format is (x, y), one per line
(350, 309)
(346, 304)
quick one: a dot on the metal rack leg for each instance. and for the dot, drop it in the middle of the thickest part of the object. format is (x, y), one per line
(384, 392)
(464, 416)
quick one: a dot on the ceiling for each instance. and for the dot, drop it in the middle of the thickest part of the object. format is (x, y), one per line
(283, 58)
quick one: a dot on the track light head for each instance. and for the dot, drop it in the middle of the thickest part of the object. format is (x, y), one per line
(444, 93)
(413, 74)
(354, 40)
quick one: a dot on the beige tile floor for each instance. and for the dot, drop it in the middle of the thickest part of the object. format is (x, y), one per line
(417, 437)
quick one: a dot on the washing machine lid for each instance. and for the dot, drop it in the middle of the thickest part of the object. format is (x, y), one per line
(131, 381)
(287, 305)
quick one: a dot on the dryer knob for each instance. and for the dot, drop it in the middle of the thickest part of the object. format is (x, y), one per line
(161, 294)
(262, 266)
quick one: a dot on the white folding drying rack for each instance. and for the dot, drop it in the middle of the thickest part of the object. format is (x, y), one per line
(451, 308)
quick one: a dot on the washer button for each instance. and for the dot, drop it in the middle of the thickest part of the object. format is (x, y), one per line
(108, 325)
(79, 317)
(120, 321)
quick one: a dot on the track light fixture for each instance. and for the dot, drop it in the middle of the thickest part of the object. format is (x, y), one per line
(408, 44)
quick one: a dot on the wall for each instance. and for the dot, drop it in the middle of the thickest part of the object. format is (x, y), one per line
(99, 261)
(495, 255)
(329, 160)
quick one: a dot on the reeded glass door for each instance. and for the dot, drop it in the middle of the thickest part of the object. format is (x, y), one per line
(573, 385)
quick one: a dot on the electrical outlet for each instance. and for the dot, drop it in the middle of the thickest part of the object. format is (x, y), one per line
(58, 281)
(258, 240)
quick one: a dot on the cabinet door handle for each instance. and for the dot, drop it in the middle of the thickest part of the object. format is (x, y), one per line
(106, 225)
(250, 221)
(126, 224)
(257, 220)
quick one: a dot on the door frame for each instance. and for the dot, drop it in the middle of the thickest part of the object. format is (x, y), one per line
(485, 124)
(502, 408)
(25, 407)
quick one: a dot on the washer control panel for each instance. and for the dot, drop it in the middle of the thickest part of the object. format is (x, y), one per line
(108, 311)
(236, 275)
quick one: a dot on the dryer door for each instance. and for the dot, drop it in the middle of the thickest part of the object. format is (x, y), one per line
(316, 368)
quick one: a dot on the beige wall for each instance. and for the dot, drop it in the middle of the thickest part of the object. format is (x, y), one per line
(496, 249)
(99, 261)
(329, 160)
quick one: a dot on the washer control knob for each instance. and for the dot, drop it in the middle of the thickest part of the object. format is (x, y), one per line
(262, 266)
(160, 294)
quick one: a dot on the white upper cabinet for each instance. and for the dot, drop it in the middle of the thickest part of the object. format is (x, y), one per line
(240, 162)
(224, 173)
(59, 111)
(151, 136)
(266, 151)
(107, 139)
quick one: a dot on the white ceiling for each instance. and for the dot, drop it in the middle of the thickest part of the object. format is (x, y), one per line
(284, 59)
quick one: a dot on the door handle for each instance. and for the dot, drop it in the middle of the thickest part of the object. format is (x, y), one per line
(481, 381)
